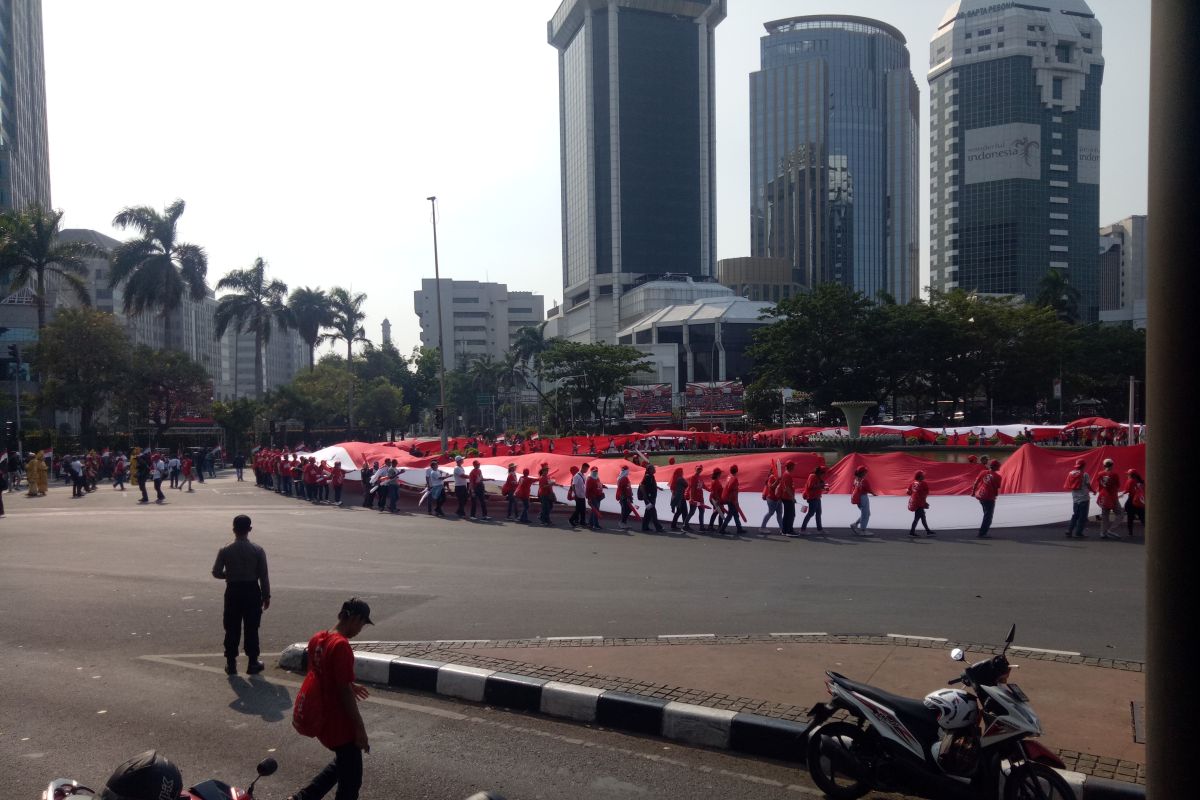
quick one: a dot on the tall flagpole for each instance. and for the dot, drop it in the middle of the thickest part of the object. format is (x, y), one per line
(437, 280)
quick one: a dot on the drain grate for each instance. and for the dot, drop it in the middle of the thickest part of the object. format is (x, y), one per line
(1138, 711)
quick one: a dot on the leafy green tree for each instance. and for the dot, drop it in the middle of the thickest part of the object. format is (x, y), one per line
(30, 250)
(327, 390)
(254, 305)
(763, 402)
(1056, 293)
(818, 345)
(237, 418)
(155, 269)
(347, 326)
(593, 373)
(381, 406)
(83, 357)
(311, 311)
(161, 387)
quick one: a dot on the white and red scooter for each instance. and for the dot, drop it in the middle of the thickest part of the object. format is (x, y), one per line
(67, 789)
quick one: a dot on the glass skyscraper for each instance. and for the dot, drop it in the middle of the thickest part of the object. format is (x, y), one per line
(1015, 148)
(24, 146)
(834, 132)
(636, 126)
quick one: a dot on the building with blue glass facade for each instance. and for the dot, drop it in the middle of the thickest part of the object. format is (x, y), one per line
(637, 154)
(834, 159)
(1015, 148)
(24, 141)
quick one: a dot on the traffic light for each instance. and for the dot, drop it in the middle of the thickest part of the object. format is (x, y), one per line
(9, 430)
(439, 417)
(14, 353)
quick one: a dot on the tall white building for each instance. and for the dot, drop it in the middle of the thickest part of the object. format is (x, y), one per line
(478, 319)
(1123, 272)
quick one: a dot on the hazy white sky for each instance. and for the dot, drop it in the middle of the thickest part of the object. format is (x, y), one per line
(310, 133)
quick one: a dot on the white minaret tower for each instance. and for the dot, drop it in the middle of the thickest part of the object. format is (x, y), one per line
(387, 333)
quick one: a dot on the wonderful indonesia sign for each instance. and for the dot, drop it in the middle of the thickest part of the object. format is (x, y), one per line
(1003, 152)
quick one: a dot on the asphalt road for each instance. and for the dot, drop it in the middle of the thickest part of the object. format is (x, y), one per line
(100, 597)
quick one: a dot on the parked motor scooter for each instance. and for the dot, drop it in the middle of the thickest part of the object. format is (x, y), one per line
(973, 743)
(212, 789)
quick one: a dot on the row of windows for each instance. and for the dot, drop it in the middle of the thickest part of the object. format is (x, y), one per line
(466, 300)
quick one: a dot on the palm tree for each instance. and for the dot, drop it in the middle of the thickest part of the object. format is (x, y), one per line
(155, 268)
(254, 306)
(30, 250)
(310, 311)
(347, 325)
(1055, 292)
(529, 344)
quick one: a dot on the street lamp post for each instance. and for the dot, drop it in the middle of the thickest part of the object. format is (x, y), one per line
(437, 280)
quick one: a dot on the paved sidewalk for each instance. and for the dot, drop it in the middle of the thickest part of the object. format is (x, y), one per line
(1085, 704)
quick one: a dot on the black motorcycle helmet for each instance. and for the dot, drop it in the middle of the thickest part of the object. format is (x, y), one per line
(148, 776)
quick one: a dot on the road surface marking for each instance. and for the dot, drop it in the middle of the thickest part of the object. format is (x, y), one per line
(1043, 650)
(800, 634)
(574, 638)
(918, 638)
(687, 636)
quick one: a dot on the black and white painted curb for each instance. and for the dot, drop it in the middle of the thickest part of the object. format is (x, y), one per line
(741, 732)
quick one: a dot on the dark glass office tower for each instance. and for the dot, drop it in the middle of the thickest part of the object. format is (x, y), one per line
(636, 124)
(24, 146)
(834, 132)
(1015, 148)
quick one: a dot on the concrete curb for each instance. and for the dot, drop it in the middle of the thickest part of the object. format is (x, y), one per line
(739, 731)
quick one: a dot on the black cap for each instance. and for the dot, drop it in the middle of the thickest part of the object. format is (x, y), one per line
(148, 776)
(357, 608)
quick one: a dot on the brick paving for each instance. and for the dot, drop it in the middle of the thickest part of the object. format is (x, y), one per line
(459, 652)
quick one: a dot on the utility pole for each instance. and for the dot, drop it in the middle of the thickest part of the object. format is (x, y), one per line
(15, 352)
(437, 279)
(1132, 408)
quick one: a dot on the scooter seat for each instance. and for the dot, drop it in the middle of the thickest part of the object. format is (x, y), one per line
(920, 720)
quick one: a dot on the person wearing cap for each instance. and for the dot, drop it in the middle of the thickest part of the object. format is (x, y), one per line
(716, 495)
(787, 496)
(1079, 484)
(1107, 485)
(577, 492)
(649, 494)
(1135, 499)
(986, 489)
(509, 490)
(367, 474)
(158, 471)
(860, 495)
(435, 489)
(918, 502)
(243, 566)
(594, 489)
(770, 494)
(478, 492)
(679, 505)
(460, 486)
(337, 476)
(342, 730)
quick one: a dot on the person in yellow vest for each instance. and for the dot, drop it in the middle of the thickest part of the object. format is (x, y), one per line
(35, 472)
(133, 464)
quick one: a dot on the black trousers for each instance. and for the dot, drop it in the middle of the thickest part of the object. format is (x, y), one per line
(243, 611)
(579, 515)
(989, 510)
(345, 771)
(789, 516)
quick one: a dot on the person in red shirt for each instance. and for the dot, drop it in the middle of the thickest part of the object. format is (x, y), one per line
(860, 495)
(787, 496)
(1135, 499)
(716, 499)
(733, 510)
(478, 492)
(524, 484)
(1107, 486)
(593, 490)
(509, 490)
(918, 501)
(625, 496)
(308, 473)
(342, 729)
(185, 470)
(770, 493)
(545, 493)
(695, 496)
(814, 488)
(985, 490)
(337, 476)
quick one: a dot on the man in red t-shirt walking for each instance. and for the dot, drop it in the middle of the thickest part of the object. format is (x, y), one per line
(342, 729)
(986, 489)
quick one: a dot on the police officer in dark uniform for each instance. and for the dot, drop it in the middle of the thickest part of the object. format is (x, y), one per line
(243, 566)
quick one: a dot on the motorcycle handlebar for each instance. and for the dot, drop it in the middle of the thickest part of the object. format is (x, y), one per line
(959, 679)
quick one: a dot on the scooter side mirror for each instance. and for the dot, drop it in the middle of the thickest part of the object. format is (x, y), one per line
(1012, 633)
(957, 654)
(267, 767)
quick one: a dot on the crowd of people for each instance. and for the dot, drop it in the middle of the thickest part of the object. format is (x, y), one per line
(712, 501)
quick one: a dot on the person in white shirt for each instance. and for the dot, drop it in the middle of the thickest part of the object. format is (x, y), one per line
(579, 495)
(157, 471)
(460, 486)
(173, 471)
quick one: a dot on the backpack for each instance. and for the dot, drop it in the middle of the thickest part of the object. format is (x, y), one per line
(308, 715)
(640, 494)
